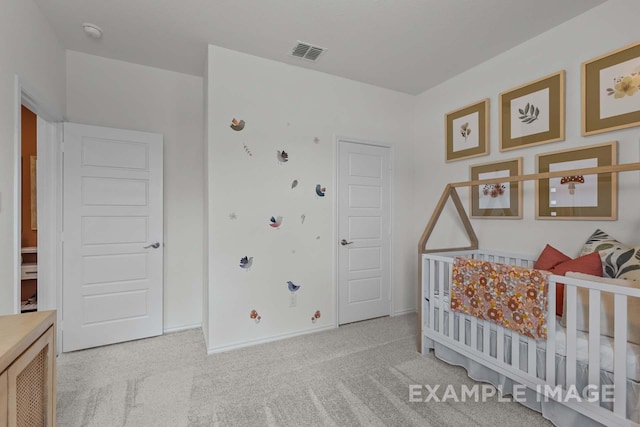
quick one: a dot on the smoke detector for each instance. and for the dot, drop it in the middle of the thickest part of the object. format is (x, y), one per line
(307, 51)
(92, 30)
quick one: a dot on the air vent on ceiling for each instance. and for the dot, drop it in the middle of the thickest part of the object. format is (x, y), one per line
(307, 51)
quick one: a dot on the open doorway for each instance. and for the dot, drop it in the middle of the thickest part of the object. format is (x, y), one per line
(28, 215)
(37, 213)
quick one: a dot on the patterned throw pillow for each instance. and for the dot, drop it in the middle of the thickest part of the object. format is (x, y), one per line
(623, 263)
(604, 244)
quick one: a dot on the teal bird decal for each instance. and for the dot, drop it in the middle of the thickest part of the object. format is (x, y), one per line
(292, 286)
(320, 190)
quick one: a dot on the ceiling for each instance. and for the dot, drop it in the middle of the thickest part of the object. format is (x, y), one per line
(404, 45)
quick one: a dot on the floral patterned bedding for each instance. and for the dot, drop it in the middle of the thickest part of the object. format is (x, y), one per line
(513, 297)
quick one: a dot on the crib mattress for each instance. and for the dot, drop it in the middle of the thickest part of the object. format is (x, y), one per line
(582, 345)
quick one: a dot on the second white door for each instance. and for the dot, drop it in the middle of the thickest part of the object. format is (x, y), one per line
(112, 236)
(364, 231)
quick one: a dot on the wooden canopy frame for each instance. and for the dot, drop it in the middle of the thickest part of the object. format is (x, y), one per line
(451, 192)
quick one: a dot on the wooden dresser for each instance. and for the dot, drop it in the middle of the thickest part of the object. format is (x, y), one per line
(28, 369)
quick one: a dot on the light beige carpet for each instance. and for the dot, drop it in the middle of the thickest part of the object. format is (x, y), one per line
(357, 375)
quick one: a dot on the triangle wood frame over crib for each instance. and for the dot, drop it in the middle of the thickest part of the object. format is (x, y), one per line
(450, 192)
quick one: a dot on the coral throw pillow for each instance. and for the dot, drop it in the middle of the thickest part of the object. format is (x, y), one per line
(549, 258)
(560, 264)
(588, 264)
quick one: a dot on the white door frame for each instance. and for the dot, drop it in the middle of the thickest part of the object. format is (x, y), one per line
(336, 216)
(49, 165)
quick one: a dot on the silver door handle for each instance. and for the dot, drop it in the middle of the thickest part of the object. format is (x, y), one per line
(155, 245)
(344, 242)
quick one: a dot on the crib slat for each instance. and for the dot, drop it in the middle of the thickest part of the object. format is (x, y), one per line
(620, 351)
(452, 316)
(570, 304)
(462, 330)
(594, 337)
(432, 294)
(445, 307)
(486, 338)
(443, 303)
(500, 344)
(531, 357)
(515, 350)
(550, 364)
(474, 333)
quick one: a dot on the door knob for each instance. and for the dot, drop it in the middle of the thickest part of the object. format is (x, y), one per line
(155, 245)
(344, 242)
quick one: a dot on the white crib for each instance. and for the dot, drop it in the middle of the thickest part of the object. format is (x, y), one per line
(531, 363)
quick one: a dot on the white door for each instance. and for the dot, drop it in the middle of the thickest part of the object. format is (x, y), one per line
(364, 231)
(112, 236)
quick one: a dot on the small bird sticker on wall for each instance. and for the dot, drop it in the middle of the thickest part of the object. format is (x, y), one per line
(237, 125)
(255, 316)
(246, 262)
(275, 222)
(294, 184)
(320, 190)
(282, 156)
(292, 287)
(316, 316)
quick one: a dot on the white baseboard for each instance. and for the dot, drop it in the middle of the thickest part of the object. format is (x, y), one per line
(181, 328)
(405, 311)
(265, 340)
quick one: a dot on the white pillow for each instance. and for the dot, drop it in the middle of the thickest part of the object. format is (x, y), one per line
(606, 307)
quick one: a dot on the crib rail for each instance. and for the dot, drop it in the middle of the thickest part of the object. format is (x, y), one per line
(515, 355)
(621, 296)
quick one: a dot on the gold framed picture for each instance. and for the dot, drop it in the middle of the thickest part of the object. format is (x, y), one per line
(467, 131)
(533, 113)
(611, 91)
(578, 196)
(499, 200)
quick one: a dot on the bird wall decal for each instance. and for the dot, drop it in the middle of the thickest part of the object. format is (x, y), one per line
(275, 222)
(246, 262)
(292, 286)
(282, 156)
(255, 316)
(237, 125)
(294, 184)
(315, 316)
(320, 190)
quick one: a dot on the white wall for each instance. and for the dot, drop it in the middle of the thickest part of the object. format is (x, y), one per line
(28, 48)
(205, 209)
(112, 93)
(286, 107)
(602, 29)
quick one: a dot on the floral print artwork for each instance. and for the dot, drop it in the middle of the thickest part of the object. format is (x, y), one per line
(625, 86)
(510, 296)
(494, 190)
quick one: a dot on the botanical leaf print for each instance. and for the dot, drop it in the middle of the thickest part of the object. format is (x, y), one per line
(529, 114)
(603, 247)
(623, 258)
(597, 236)
(628, 269)
(623, 263)
(465, 130)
